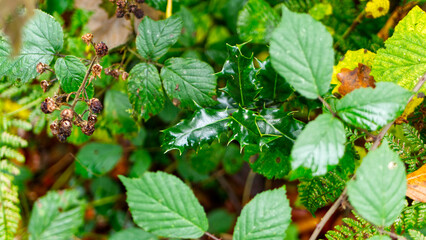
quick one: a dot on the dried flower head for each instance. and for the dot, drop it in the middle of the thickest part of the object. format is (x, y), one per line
(97, 70)
(48, 105)
(87, 38)
(44, 85)
(41, 67)
(124, 76)
(95, 105)
(101, 49)
(67, 114)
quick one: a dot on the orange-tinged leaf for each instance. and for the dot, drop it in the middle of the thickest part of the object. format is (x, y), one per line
(416, 184)
(354, 79)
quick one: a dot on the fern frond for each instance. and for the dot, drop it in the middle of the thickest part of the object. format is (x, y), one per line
(5, 85)
(301, 5)
(12, 140)
(356, 228)
(14, 91)
(31, 97)
(398, 146)
(416, 235)
(7, 152)
(412, 217)
(413, 137)
(9, 201)
(18, 123)
(38, 120)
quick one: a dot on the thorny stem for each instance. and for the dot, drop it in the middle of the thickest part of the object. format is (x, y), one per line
(348, 31)
(83, 85)
(327, 106)
(376, 143)
(211, 236)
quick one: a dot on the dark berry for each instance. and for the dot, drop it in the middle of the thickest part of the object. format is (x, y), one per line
(48, 105)
(121, 3)
(140, 1)
(62, 138)
(87, 128)
(95, 105)
(92, 119)
(101, 49)
(139, 13)
(54, 127)
(132, 7)
(65, 128)
(120, 12)
(67, 114)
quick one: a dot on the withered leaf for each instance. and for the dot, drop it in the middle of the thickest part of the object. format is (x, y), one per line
(416, 184)
(353, 79)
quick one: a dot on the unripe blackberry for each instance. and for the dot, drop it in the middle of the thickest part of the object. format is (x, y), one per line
(87, 38)
(140, 1)
(65, 127)
(44, 85)
(97, 70)
(132, 7)
(92, 119)
(120, 12)
(61, 137)
(87, 128)
(95, 105)
(67, 114)
(101, 49)
(121, 3)
(48, 105)
(54, 127)
(138, 13)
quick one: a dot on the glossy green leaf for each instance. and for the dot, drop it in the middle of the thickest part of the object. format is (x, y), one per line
(57, 215)
(156, 37)
(256, 21)
(266, 216)
(4, 55)
(301, 51)
(42, 38)
(189, 30)
(378, 192)
(403, 61)
(145, 90)
(321, 144)
(273, 86)
(370, 108)
(240, 76)
(70, 72)
(204, 127)
(162, 204)
(95, 159)
(189, 82)
(133, 234)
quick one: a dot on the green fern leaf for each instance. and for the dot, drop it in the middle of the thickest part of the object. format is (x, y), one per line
(21, 124)
(12, 140)
(416, 235)
(412, 217)
(356, 228)
(7, 152)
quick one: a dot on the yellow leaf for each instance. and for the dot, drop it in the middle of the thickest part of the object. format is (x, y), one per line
(416, 184)
(377, 8)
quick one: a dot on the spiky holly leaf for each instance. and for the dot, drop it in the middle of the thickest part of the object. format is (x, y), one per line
(301, 51)
(189, 82)
(403, 60)
(204, 127)
(321, 144)
(145, 90)
(70, 72)
(273, 86)
(240, 76)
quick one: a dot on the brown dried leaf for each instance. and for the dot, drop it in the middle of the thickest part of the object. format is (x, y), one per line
(416, 184)
(354, 79)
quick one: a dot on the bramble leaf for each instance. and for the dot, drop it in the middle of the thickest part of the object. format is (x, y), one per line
(134, 234)
(301, 52)
(378, 192)
(189, 82)
(162, 204)
(321, 144)
(373, 108)
(204, 127)
(145, 90)
(4, 55)
(266, 216)
(256, 21)
(70, 72)
(156, 37)
(240, 76)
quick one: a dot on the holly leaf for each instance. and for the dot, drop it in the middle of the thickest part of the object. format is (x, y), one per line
(189, 83)
(42, 38)
(370, 108)
(145, 90)
(240, 76)
(204, 127)
(256, 21)
(416, 184)
(403, 60)
(321, 144)
(266, 216)
(301, 52)
(156, 37)
(162, 204)
(70, 72)
(353, 79)
(378, 192)
(273, 86)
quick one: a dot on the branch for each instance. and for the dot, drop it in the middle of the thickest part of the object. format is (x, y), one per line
(327, 106)
(391, 234)
(83, 84)
(211, 236)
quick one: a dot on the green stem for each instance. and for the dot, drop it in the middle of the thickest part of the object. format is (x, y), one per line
(83, 85)
(105, 200)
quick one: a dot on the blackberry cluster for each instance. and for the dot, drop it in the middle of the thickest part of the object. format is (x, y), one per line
(125, 8)
(101, 49)
(115, 73)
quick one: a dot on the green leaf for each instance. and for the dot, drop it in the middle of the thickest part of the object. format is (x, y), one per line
(191, 82)
(379, 237)
(266, 216)
(133, 234)
(403, 60)
(162, 204)
(42, 38)
(378, 192)
(117, 118)
(321, 144)
(95, 159)
(256, 21)
(273, 86)
(220, 221)
(70, 72)
(204, 127)
(56, 216)
(416, 234)
(142, 162)
(145, 90)
(9, 198)
(370, 108)
(4, 55)
(301, 52)
(239, 73)
(156, 37)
